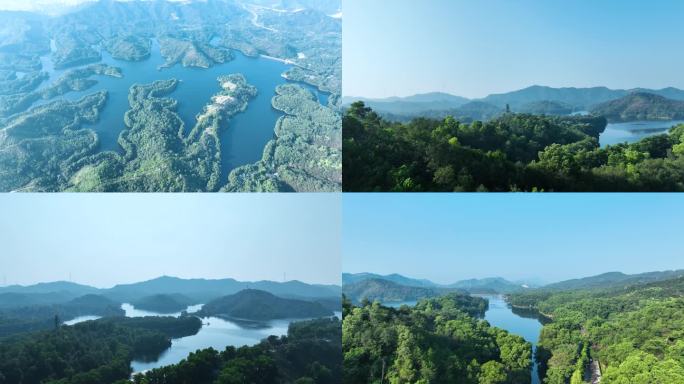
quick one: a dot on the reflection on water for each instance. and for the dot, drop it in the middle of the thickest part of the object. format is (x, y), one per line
(216, 333)
(80, 319)
(502, 316)
(630, 132)
(131, 311)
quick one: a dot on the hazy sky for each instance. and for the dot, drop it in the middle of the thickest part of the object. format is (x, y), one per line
(105, 239)
(449, 237)
(474, 48)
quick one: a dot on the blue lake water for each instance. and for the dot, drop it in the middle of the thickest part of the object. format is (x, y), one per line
(244, 136)
(501, 316)
(215, 332)
(630, 132)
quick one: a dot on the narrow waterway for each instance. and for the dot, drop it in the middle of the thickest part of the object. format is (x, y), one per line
(501, 315)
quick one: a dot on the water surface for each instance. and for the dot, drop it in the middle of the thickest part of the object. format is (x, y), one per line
(244, 136)
(630, 132)
(502, 316)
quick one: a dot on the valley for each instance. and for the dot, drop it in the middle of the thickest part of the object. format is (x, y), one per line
(576, 331)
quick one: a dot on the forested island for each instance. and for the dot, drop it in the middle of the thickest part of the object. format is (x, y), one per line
(253, 304)
(514, 152)
(46, 61)
(614, 327)
(440, 340)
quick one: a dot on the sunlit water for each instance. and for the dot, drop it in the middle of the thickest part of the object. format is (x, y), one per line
(246, 134)
(630, 132)
(501, 315)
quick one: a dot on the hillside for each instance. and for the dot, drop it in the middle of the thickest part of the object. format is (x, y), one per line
(387, 291)
(612, 279)
(164, 303)
(641, 106)
(350, 278)
(546, 107)
(253, 304)
(487, 285)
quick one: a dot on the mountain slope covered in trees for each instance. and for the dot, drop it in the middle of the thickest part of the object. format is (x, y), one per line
(516, 152)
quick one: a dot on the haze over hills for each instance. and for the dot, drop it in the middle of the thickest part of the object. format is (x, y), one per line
(397, 288)
(195, 289)
(533, 99)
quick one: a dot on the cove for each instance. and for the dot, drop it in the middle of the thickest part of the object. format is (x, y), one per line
(501, 315)
(244, 137)
(630, 132)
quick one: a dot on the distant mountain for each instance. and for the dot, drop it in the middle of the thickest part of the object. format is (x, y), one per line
(253, 304)
(52, 287)
(487, 285)
(13, 299)
(579, 98)
(164, 303)
(388, 291)
(535, 99)
(206, 289)
(349, 278)
(641, 106)
(412, 106)
(546, 108)
(612, 279)
(198, 290)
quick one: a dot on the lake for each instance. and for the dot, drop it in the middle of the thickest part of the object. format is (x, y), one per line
(246, 134)
(215, 332)
(502, 316)
(630, 132)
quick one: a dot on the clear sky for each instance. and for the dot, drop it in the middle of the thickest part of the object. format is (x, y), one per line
(106, 239)
(474, 48)
(552, 237)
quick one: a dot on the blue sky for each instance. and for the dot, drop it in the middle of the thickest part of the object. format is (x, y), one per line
(105, 239)
(449, 237)
(474, 48)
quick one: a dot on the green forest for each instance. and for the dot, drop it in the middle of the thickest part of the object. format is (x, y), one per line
(634, 332)
(92, 352)
(514, 152)
(440, 340)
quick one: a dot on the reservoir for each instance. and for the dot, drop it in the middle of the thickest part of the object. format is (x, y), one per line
(630, 132)
(246, 134)
(500, 315)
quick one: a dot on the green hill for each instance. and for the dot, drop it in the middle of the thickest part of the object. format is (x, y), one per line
(641, 106)
(253, 304)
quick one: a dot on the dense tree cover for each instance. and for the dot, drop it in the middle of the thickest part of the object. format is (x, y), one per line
(310, 353)
(128, 47)
(641, 106)
(92, 352)
(192, 54)
(634, 332)
(516, 152)
(37, 148)
(306, 154)
(253, 304)
(19, 319)
(438, 341)
(73, 80)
